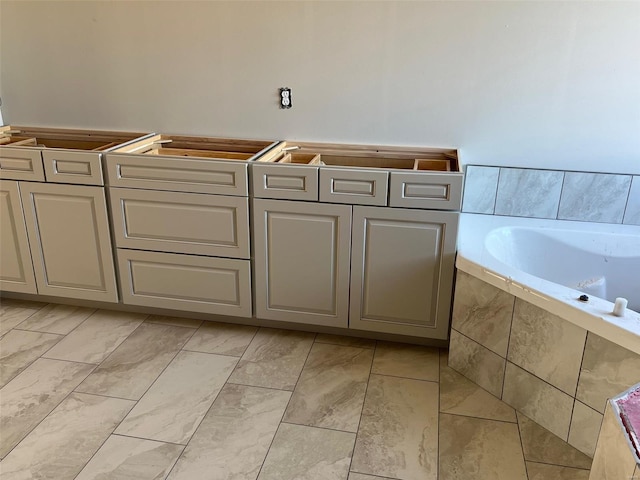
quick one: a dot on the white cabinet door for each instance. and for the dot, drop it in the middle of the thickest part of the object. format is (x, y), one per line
(70, 240)
(302, 261)
(402, 271)
(16, 268)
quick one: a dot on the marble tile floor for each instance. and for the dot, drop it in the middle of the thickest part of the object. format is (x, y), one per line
(89, 394)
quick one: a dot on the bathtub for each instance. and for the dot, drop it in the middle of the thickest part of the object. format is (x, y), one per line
(550, 263)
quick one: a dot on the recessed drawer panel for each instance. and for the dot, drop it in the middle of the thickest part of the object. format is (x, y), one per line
(63, 166)
(181, 222)
(192, 283)
(293, 182)
(360, 187)
(21, 164)
(155, 172)
(432, 191)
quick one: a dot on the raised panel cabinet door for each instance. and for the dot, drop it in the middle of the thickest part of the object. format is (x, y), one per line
(212, 225)
(70, 241)
(220, 286)
(402, 265)
(16, 268)
(302, 262)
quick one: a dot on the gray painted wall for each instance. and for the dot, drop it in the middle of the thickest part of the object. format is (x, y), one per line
(522, 83)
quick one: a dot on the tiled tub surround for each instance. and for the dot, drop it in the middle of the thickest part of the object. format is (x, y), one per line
(553, 194)
(552, 359)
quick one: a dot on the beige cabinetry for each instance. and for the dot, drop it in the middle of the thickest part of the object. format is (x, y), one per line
(372, 245)
(70, 241)
(302, 261)
(55, 230)
(16, 267)
(180, 212)
(402, 271)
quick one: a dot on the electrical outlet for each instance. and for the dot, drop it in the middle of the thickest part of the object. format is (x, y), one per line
(285, 97)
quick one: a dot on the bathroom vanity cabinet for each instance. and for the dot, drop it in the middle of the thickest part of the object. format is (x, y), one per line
(356, 236)
(55, 229)
(345, 236)
(180, 211)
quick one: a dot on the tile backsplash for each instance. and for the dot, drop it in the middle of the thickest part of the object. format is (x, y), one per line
(555, 194)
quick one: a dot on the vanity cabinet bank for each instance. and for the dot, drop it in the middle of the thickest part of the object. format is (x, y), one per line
(55, 230)
(346, 250)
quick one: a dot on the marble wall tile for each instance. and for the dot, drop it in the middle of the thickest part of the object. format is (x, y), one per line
(480, 186)
(307, 453)
(538, 400)
(459, 396)
(331, 389)
(613, 458)
(408, 361)
(542, 446)
(482, 312)
(594, 197)
(13, 312)
(528, 193)
(62, 444)
(175, 321)
(54, 318)
(398, 434)
(132, 367)
(345, 341)
(477, 363)
(175, 404)
(233, 439)
(18, 348)
(222, 338)
(540, 471)
(585, 428)
(632, 212)
(95, 338)
(607, 370)
(33, 394)
(131, 458)
(546, 345)
(479, 449)
(273, 359)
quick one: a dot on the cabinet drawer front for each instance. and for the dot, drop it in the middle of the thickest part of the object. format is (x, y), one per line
(16, 268)
(21, 164)
(198, 224)
(70, 240)
(359, 187)
(291, 182)
(433, 191)
(155, 172)
(62, 166)
(185, 282)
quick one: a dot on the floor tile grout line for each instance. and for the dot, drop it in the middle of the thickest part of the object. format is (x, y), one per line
(211, 353)
(284, 412)
(258, 386)
(37, 331)
(46, 416)
(364, 400)
(318, 427)
(43, 306)
(478, 418)
(524, 458)
(55, 333)
(558, 465)
(406, 378)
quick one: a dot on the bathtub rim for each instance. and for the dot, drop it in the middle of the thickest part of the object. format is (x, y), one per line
(594, 316)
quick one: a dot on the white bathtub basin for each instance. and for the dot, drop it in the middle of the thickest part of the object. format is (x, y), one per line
(603, 264)
(550, 263)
